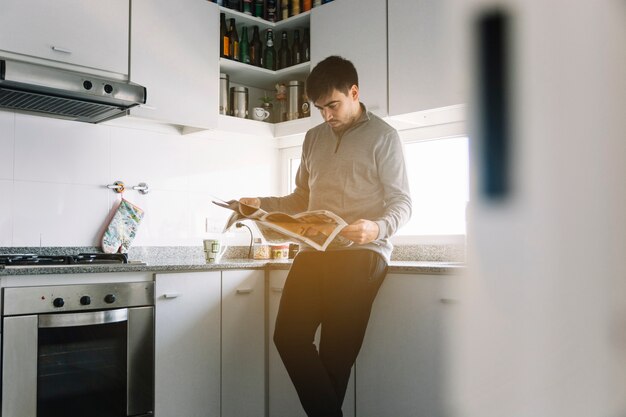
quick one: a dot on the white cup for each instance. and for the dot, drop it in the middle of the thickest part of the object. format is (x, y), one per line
(213, 250)
(259, 113)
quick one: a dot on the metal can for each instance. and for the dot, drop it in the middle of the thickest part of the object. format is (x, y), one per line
(239, 102)
(224, 89)
(295, 90)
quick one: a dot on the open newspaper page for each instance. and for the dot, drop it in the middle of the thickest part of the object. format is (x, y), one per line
(318, 229)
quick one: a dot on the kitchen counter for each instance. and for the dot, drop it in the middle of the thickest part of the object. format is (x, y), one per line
(407, 267)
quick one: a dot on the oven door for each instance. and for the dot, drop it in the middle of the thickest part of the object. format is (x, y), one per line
(98, 363)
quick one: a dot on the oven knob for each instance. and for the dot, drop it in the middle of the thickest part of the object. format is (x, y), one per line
(85, 300)
(109, 298)
(58, 302)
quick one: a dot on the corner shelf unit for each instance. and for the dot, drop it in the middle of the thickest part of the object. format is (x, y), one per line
(262, 78)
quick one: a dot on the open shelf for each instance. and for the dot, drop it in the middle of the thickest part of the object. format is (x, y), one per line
(260, 77)
(263, 129)
(298, 21)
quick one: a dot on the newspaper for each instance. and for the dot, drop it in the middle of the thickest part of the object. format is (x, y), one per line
(318, 228)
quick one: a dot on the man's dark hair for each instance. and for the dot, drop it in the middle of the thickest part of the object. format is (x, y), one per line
(333, 73)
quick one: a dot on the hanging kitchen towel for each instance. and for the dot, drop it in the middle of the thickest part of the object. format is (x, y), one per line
(122, 228)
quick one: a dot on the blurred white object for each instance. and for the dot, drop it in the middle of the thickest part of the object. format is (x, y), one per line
(542, 321)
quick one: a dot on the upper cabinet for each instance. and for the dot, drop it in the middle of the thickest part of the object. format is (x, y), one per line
(355, 30)
(88, 33)
(174, 54)
(422, 56)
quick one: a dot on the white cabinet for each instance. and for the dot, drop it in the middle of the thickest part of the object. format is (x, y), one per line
(357, 31)
(243, 343)
(187, 351)
(89, 33)
(422, 57)
(402, 366)
(283, 399)
(174, 50)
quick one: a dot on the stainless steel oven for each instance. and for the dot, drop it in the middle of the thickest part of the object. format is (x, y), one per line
(78, 350)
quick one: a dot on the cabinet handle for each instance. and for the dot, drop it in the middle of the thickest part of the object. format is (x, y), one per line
(171, 295)
(449, 301)
(61, 49)
(244, 291)
(277, 289)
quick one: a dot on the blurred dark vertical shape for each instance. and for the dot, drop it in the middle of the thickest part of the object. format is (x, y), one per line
(494, 90)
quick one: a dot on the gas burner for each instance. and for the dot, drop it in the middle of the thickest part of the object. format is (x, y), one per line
(100, 258)
(30, 259)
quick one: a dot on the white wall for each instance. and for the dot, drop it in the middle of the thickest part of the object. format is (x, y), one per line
(53, 175)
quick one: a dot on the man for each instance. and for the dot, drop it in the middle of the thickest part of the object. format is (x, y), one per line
(352, 164)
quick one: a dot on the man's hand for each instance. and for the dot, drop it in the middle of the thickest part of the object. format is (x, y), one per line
(361, 231)
(251, 201)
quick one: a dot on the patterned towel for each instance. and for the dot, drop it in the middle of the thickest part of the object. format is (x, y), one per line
(121, 231)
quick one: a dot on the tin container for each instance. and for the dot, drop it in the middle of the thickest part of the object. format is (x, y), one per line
(295, 90)
(279, 251)
(224, 88)
(239, 102)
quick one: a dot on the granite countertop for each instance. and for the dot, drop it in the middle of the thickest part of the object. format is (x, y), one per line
(409, 267)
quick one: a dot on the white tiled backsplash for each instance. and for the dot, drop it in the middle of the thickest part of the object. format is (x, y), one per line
(53, 175)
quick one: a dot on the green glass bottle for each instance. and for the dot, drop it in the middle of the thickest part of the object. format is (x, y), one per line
(269, 53)
(244, 46)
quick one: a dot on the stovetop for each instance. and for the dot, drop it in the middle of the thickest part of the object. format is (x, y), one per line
(30, 259)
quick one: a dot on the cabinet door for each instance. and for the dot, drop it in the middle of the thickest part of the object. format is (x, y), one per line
(89, 33)
(422, 57)
(401, 368)
(174, 54)
(243, 343)
(283, 399)
(355, 30)
(187, 351)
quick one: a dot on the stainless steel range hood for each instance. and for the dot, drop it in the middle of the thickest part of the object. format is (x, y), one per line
(65, 94)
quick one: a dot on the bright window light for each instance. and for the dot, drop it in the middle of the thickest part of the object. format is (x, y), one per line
(439, 180)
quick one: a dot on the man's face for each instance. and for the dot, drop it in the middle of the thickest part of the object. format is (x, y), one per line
(339, 110)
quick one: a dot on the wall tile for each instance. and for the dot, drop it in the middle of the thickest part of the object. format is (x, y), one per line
(6, 213)
(166, 218)
(232, 169)
(60, 151)
(7, 133)
(160, 160)
(58, 214)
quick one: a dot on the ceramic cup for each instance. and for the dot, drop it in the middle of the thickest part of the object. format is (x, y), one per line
(259, 113)
(213, 250)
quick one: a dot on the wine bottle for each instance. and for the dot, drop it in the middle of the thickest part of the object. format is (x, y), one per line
(247, 7)
(295, 7)
(269, 53)
(224, 40)
(258, 8)
(284, 53)
(256, 47)
(296, 52)
(305, 48)
(234, 41)
(244, 46)
(270, 11)
(284, 9)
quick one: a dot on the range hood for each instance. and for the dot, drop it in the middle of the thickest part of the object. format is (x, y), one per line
(65, 94)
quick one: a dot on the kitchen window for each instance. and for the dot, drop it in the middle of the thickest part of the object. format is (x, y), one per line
(438, 170)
